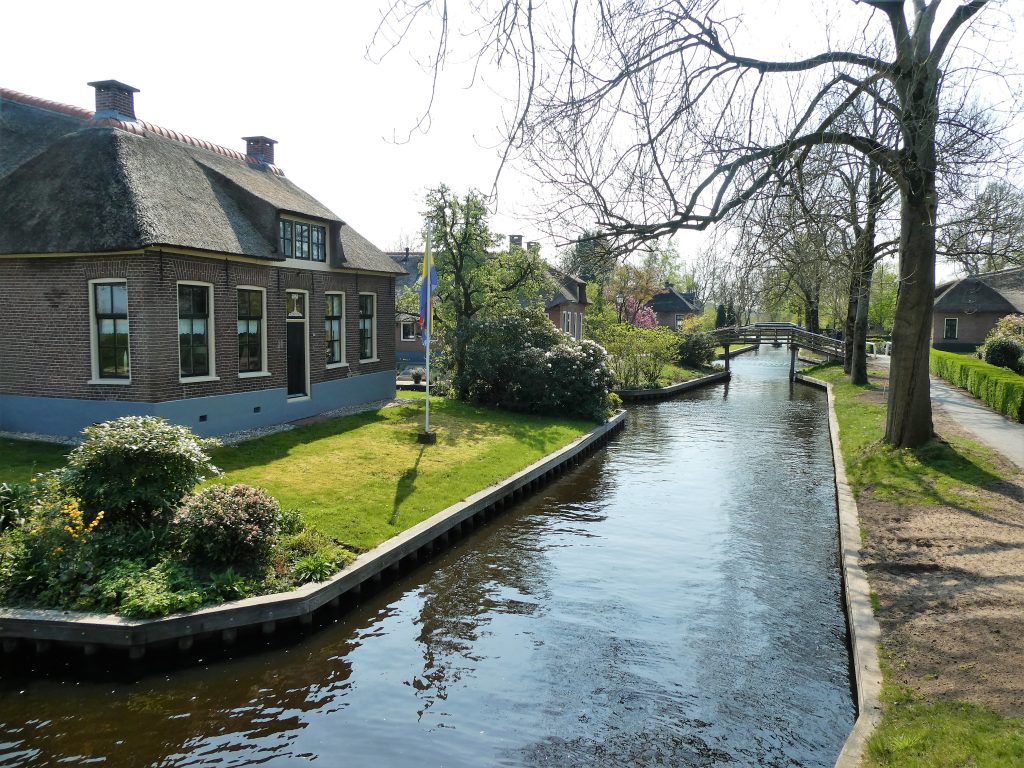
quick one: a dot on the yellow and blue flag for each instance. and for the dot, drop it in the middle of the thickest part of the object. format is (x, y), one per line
(428, 284)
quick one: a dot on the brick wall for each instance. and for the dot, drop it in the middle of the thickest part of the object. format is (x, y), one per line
(971, 330)
(45, 324)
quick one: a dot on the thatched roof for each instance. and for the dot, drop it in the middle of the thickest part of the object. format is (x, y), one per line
(998, 292)
(70, 185)
(671, 300)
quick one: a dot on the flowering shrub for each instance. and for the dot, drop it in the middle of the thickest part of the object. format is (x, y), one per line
(523, 363)
(137, 468)
(1008, 327)
(1005, 352)
(228, 526)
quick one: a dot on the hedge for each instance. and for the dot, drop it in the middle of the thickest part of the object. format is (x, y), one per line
(1001, 388)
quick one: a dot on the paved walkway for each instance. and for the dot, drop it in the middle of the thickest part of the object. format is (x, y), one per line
(991, 428)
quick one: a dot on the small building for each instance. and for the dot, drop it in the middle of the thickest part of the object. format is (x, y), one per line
(145, 272)
(672, 307)
(409, 350)
(967, 309)
(567, 305)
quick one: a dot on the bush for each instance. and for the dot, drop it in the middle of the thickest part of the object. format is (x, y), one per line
(137, 468)
(521, 362)
(1005, 353)
(1008, 327)
(696, 346)
(1003, 390)
(639, 355)
(228, 526)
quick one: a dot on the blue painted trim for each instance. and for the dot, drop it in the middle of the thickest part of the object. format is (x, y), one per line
(224, 413)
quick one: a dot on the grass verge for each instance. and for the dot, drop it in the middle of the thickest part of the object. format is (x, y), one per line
(916, 733)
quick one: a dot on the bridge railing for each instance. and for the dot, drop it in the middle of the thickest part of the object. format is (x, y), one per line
(779, 333)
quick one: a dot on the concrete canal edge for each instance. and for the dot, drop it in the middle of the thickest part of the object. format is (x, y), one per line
(92, 631)
(633, 395)
(860, 617)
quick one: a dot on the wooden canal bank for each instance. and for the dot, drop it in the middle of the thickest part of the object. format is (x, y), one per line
(40, 630)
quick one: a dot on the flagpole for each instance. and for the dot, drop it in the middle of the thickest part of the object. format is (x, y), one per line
(427, 323)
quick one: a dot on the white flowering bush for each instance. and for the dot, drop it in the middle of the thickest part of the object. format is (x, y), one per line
(521, 362)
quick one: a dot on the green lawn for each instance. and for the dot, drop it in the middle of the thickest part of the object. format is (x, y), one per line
(675, 374)
(364, 478)
(20, 460)
(915, 734)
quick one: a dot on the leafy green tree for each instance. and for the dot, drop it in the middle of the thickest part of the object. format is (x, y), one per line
(474, 278)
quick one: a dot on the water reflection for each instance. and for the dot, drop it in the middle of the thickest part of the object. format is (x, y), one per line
(673, 601)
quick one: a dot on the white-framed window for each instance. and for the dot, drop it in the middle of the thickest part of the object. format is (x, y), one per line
(334, 328)
(950, 327)
(367, 326)
(252, 331)
(408, 330)
(567, 322)
(579, 326)
(303, 240)
(196, 348)
(108, 331)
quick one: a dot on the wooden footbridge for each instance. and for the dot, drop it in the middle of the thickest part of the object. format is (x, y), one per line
(777, 334)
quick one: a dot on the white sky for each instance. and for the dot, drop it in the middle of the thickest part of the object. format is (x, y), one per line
(297, 72)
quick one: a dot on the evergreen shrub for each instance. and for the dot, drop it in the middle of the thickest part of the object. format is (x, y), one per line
(137, 468)
(221, 525)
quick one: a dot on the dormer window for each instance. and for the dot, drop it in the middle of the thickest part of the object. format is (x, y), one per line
(303, 240)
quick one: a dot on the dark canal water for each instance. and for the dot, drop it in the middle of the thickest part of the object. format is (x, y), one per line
(674, 601)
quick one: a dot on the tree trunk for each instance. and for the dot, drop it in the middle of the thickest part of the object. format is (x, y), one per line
(859, 362)
(908, 419)
(866, 259)
(851, 315)
(813, 324)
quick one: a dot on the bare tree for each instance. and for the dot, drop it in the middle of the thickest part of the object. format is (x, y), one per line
(986, 232)
(644, 115)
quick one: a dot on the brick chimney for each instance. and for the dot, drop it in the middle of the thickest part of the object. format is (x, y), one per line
(515, 240)
(260, 148)
(114, 99)
(531, 244)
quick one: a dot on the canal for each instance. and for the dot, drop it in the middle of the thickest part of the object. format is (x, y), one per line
(673, 601)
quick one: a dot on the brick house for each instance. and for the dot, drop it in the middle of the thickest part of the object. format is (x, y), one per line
(671, 307)
(147, 272)
(967, 309)
(567, 305)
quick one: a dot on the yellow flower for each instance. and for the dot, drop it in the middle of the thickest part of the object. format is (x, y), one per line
(57, 551)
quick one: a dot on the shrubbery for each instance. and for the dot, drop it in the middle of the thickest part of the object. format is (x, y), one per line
(696, 345)
(137, 468)
(639, 355)
(1000, 388)
(1010, 327)
(521, 362)
(1005, 353)
(228, 526)
(58, 551)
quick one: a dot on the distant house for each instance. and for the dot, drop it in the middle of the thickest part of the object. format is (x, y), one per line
(145, 272)
(567, 305)
(672, 307)
(966, 309)
(409, 349)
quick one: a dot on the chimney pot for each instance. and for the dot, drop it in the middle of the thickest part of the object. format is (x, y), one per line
(114, 99)
(530, 245)
(260, 148)
(516, 240)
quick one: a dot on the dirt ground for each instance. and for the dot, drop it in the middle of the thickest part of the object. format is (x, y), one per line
(950, 583)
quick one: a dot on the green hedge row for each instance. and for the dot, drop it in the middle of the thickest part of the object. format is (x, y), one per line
(1001, 388)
